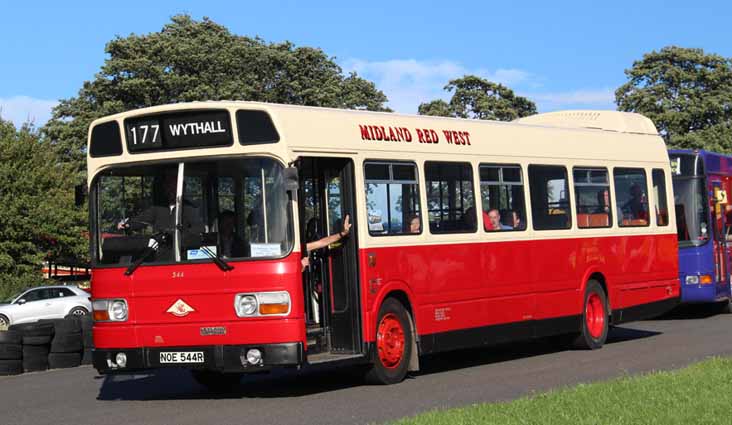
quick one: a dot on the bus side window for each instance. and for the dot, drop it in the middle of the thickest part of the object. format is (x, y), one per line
(450, 198)
(659, 197)
(631, 196)
(592, 197)
(550, 206)
(502, 196)
(392, 198)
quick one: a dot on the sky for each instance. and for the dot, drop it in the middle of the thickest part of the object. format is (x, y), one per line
(560, 54)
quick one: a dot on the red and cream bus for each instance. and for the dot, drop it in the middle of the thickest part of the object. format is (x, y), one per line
(464, 233)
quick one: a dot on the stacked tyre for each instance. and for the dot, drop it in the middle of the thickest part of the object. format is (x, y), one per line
(36, 344)
(87, 339)
(67, 344)
(11, 353)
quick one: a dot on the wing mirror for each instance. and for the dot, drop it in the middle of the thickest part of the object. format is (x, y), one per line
(21, 301)
(292, 183)
(80, 193)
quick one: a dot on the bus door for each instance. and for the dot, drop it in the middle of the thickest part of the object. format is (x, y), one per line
(331, 281)
(721, 256)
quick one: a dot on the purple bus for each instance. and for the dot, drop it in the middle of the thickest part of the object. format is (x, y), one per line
(701, 182)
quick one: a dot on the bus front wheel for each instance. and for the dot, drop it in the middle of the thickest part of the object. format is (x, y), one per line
(393, 345)
(594, 318)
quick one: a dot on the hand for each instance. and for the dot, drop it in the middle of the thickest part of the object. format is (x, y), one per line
(305, 262)
(346, 225)
(123, 224)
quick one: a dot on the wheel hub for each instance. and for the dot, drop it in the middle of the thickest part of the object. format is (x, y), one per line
(595, 315)
(390, 341)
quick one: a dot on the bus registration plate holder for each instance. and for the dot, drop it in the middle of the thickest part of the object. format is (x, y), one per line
(167, 357)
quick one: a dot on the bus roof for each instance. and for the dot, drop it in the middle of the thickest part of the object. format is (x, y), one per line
(588, 135)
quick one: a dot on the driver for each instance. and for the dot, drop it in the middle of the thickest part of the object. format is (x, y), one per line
(161, 217)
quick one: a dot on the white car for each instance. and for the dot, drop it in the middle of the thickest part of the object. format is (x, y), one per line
(45, 302)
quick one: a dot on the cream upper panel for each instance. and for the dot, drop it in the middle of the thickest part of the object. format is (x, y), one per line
(307, 129)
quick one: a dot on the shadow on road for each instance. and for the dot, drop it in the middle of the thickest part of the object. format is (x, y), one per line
(174, 384)
(691, 312)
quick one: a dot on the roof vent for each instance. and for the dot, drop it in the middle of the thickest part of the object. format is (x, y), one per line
(622, 122)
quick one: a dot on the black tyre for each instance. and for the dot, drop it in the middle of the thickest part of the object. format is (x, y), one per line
(34, 329)
(86, 357)
(393, 345)
(10, 337)
(37, 340)
(87, 340)
(35, 352)
(35, 365)
(217, 381)
(11, 367)
(63, 360)
(11, 351)
(67, 343)
(70, 325)
(724, 307)
(78, 312)
(86, 323)
(594, 318)
(4, 321)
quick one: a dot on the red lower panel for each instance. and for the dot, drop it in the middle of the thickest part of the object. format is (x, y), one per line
(208, 293)
(458, 286)
(112, 335)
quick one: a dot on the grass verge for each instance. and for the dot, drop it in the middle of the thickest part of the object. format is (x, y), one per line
(698, 394)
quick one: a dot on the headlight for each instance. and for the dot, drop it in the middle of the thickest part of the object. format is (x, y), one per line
(118, 311)
(246, 305)
(692, 280)
(114, 310)
(262, 304)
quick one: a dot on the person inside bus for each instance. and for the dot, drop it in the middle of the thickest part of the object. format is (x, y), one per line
(603, 202)
(494, 216)
(516, 220)
(232, 245)
(161, 216)
(414, 224)
(469, 219)
(315, 244)
(636, 204)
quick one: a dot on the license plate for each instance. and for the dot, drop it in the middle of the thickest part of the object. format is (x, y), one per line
(181, 357)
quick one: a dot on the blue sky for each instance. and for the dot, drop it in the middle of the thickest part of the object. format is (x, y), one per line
(562, 55)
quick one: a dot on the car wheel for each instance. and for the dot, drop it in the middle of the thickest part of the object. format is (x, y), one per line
(78, 312)
(4, 321)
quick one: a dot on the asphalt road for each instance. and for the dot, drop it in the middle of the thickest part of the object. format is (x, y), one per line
(333, 396)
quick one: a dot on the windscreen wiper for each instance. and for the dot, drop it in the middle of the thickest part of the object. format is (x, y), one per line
(217, 259)
(156, 240)
(203, 247)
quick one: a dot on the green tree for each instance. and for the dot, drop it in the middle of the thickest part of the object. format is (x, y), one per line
(478, 98)
(37, 219)
(686, 92)
(191, 60)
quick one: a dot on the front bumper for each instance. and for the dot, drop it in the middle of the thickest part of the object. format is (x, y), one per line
(224, 358)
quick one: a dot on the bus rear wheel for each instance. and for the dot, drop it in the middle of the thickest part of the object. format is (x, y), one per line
(594, 318)
(393, 345)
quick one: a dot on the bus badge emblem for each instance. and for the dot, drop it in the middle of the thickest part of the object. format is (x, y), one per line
(180, 308)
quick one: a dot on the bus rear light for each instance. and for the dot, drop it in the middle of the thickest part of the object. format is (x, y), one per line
(705, 279)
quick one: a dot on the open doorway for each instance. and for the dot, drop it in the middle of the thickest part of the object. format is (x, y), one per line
(326, 197)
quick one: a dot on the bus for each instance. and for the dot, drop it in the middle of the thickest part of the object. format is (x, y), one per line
(701, 181)
(238, 237)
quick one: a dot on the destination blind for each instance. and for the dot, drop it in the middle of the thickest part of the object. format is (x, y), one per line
(182, 130)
